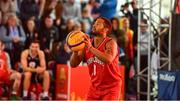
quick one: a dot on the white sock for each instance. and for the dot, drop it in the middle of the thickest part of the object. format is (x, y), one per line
(14, 92)
(25, 93)
(45, 94)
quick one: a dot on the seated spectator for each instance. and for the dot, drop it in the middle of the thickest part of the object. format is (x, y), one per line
(7, 74)
(72, 10)
(7, 6)
(86, 20)
(49, 36)
(62, 54)
(31, 33)
(29, 8)
(68, 28)
(34, 66)
(14, 37)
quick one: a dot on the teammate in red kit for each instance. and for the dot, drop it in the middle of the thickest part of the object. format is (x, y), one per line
(101, 55)
(7, 74)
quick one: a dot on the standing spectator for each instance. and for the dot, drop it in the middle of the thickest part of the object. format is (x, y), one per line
(144, 52)
(14, 37)
(119, 35)
(133, 18)
(129, 55)
(31, 33)
(71, 10)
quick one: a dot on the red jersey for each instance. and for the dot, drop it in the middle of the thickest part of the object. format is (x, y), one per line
(103, 75)
(4, 74)
(3, 61)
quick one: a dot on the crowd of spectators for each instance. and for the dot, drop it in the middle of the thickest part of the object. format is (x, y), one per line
(51, 20)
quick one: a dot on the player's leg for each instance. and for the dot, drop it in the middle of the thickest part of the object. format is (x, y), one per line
(26, 83)
(46, 82)
(16, 76)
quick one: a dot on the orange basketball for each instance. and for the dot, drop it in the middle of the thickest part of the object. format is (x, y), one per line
(75, 40)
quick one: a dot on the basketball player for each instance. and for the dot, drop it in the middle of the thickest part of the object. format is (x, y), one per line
(6, 73)
(33, 63)
(101, 55)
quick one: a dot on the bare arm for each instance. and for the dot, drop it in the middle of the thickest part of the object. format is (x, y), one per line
(8, 61)
(110, 50)
(76, 58)
(24, 62)
(42, 60)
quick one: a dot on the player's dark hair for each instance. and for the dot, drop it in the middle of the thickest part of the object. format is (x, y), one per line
(107, 23)
(35, 41)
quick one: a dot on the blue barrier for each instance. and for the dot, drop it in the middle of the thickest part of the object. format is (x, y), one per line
(168, 85)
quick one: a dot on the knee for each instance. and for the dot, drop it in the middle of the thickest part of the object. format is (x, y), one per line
(19, 76)
(46, 74)
(27, 75)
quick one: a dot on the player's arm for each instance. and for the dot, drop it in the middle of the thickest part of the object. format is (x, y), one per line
(24, 62)
(110, 52)
(42, 61)
(76, 58)
(8, 62)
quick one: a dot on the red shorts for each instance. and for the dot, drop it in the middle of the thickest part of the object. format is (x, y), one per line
(4, 77)
(106, 94)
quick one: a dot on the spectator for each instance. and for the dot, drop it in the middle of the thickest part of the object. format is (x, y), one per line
(7, 6)
(89, 7)
(49, 7)
(69, 27)
(118, 35)
(49, 36)
(78, 26)
(133, 18)
(14, 37)
(144, 37)
(62, 54)
(72, 10)
(129, 55)
(29, 9)
(86, 20)
(106, 8)
(31, 33)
